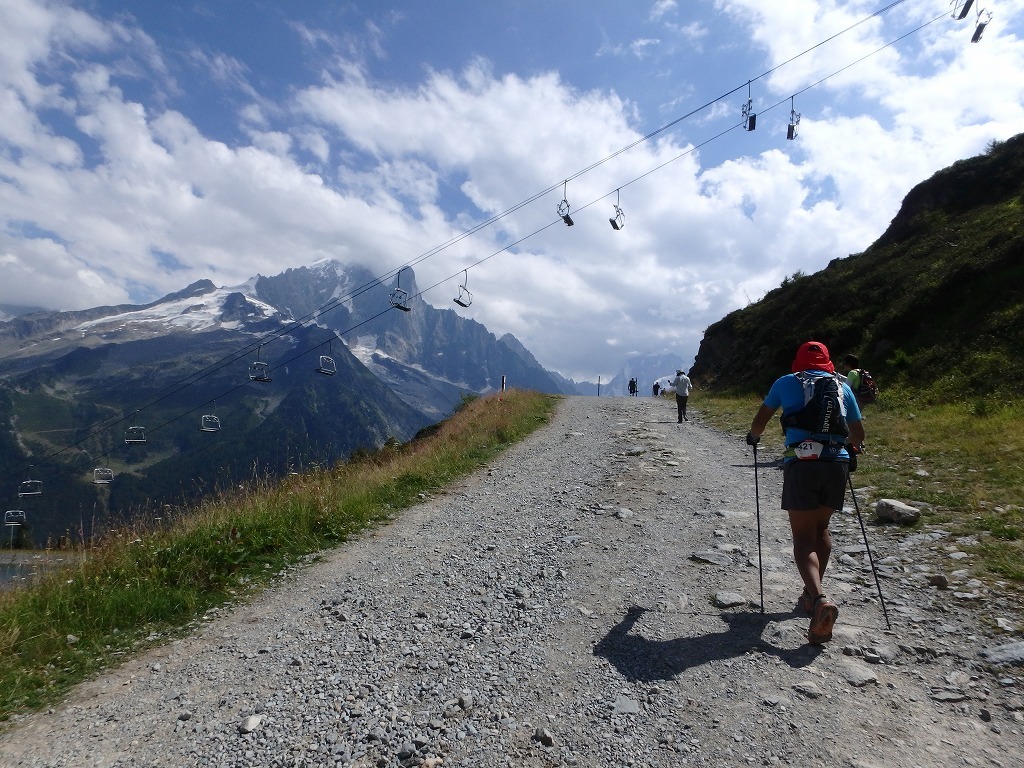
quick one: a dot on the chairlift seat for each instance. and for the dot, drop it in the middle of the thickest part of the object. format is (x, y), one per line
(618, 221)
(14, 517)
(135, 435)
(980, 29)
(209, 423)
(465, 298)
(961, 14)
(400, 299)
(563, 211)
(327, 366)
(259, 371)
(30, 488)
(102, 475)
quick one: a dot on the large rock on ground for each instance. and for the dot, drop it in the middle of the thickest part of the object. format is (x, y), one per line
(890, 510)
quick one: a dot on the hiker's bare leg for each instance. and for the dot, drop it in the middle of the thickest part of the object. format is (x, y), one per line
(812, 545)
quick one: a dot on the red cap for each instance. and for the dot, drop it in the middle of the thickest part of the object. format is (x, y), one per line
(813, 355)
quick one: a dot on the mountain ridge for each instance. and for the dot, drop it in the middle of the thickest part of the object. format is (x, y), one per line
(75, 382)
(935, 305)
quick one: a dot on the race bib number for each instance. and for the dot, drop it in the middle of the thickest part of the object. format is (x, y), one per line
(808, 449)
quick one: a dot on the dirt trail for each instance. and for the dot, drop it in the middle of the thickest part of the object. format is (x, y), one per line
(591, 599)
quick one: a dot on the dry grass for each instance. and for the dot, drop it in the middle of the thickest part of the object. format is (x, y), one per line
(151, 579)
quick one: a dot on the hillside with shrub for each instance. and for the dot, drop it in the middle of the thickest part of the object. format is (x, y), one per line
(935, 306)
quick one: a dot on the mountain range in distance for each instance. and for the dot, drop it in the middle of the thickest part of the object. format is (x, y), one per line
(78, 386)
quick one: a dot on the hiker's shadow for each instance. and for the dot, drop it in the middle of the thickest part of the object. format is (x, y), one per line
(639, 659)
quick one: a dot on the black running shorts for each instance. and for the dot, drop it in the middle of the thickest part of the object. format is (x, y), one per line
(813, 484)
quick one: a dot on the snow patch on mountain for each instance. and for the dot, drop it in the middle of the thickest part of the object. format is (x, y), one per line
(192, 313)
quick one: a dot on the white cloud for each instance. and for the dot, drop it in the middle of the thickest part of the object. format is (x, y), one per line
(374, 171)
(661, 8)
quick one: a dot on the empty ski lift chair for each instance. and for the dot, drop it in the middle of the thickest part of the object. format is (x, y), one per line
(961, 8)
(135, 435)
(209, 423)
(465, 298)
(30, 488)
(618, 221)
(259, 370)
(984, 17)
(563, 207)
(399, 297)
(749, 116)
(14, 517)
(102, 476)
(327, 366)
(794, 121)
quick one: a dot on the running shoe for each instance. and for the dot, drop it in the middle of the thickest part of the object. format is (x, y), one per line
(824, 618)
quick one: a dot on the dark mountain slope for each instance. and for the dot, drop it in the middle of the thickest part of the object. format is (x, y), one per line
(70, 415)
(937, 303)
(72, 383)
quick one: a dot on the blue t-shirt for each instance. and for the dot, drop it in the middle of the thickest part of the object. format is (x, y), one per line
(788, 393)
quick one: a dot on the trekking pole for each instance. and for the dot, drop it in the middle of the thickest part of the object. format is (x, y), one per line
(757, 507)
(871, 559)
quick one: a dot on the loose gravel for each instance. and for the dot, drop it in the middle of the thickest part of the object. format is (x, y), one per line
(591, 598)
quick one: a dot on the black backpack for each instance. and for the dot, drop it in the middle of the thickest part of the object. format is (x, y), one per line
(823, 412)
(867, 391)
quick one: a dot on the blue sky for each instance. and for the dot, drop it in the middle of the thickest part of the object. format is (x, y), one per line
(145, 145)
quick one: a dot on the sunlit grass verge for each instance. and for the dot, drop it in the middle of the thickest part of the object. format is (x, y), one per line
(963, 460)
(140, 585)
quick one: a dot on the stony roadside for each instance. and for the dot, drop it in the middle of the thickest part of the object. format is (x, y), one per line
(592, 598)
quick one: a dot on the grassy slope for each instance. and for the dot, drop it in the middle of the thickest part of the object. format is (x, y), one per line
(936, 305)
(144, 583)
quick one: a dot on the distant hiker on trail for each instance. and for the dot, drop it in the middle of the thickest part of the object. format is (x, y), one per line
(822, 422)
(656, 389)
(682, 385)
(861, 382)
(632, 388)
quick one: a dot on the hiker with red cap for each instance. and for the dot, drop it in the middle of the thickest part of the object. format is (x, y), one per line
(823, 429)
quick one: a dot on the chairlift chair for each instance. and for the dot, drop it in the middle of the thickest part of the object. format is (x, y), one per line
(400, 300)
(961, 8)
(30, 488)
(618, 221)
(984, 17)
(14, 517)
(209, 423)
(400, 297)
(465, 298)
(102, 476)
(563, 207)
(749, 116)
(135, 435)
(327, 366)
(259, 370)
(794, 121)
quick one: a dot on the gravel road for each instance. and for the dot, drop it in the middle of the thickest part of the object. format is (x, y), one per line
(591, 598)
